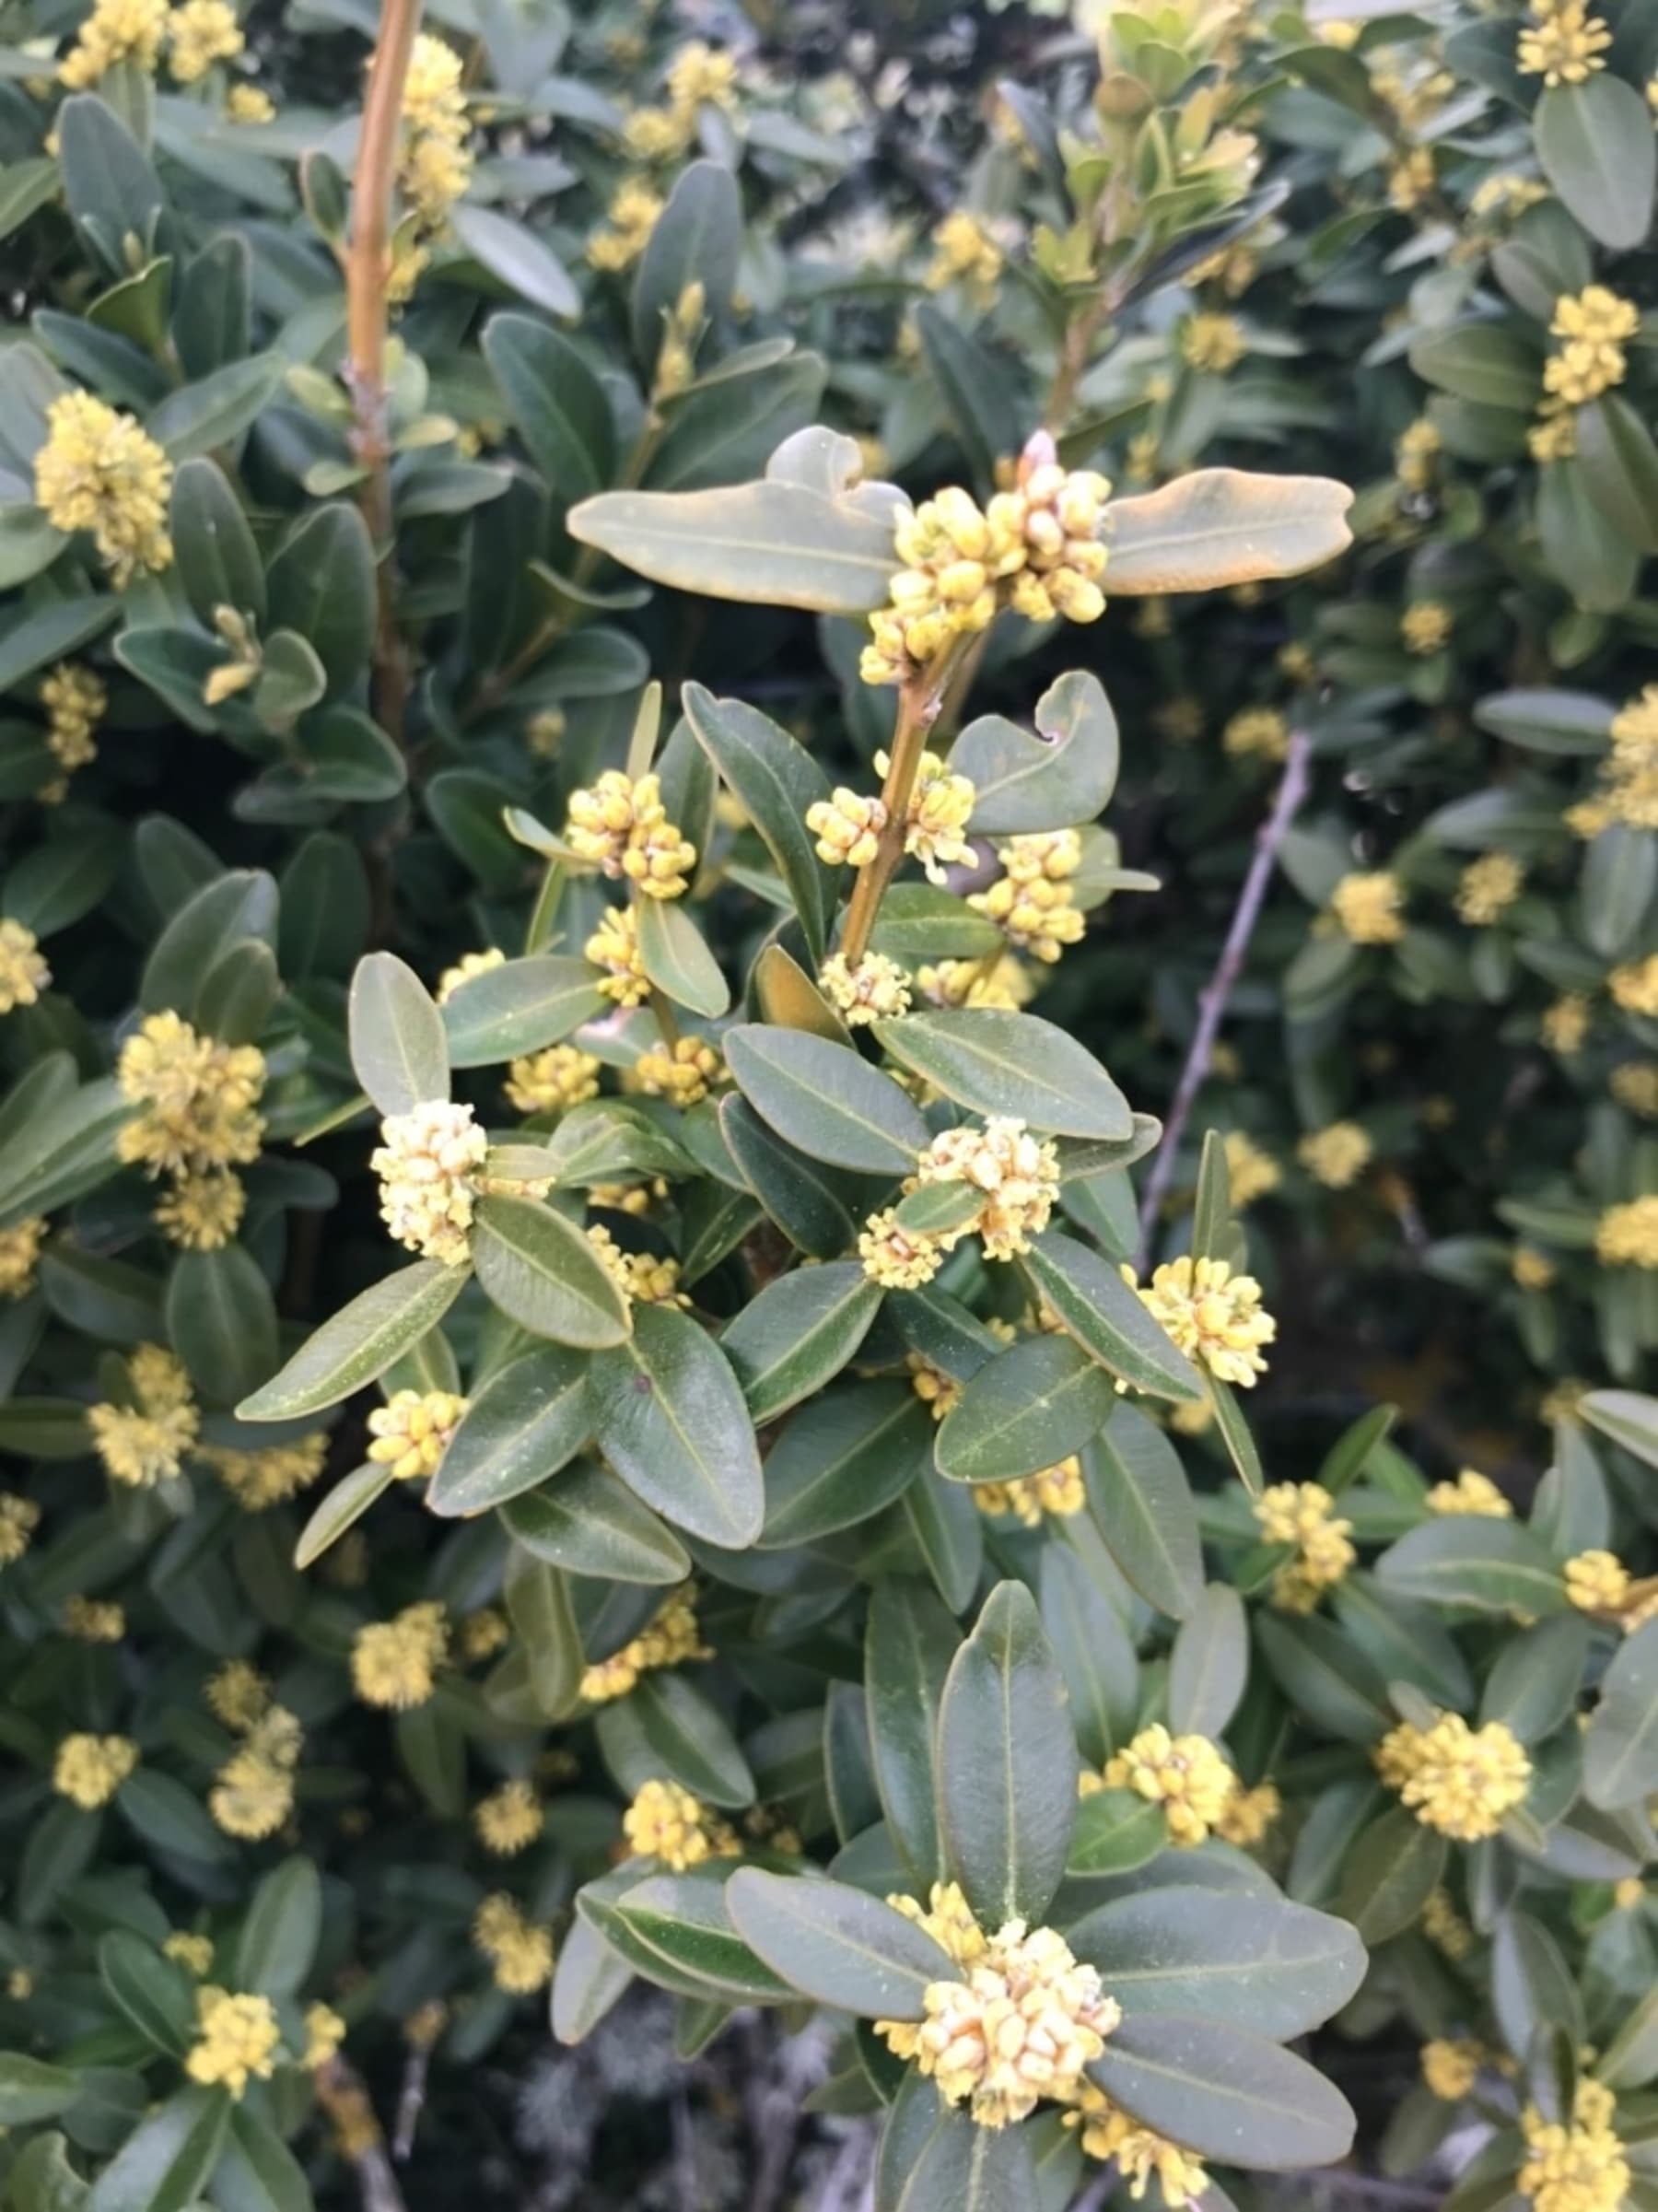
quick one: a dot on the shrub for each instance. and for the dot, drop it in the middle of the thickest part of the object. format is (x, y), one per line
(600, 1383)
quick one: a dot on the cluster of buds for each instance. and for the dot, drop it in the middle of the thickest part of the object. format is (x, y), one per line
(1461, 1781)
(1017, 1174)
(428, 1166)
(412, 1431)
(1035, 548)
(1033, 901)
(874, 990)
(1185, 1774)
(620, 826)
(1303, 1515)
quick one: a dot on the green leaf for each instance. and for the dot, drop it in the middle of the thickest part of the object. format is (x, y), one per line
(696, 240)
(221, 1320)
(1257, 1963)
(837, 1945)
(282, 1932)
(841, 1459)
(1594, 141)
(797, 1333)
(322, 586)
(959, 2167)
(1475, 1559)
(545, 1274)
(1483, 361)
(517, 257)
(1620, 1752)
(1116, 1832)
(1027, 1409)
(1094, 1652)
(1224, 2093)
(1007, 1764)
(683, 1920)
(776, 779)
(811, 1204)
(589, 1523)
(1209, 1667)
(165, 2163)
(526, 1423)
(1392, 1870)
(257, 2171)
(112, 191)
(40, 635)
(217, 560)
(1096, 1307)
(1064, 774)
(1143, 1505)
(667, 1727)
(519, 1007)
(1216, 527)
(31, 2091)
(826, 1100)
(1234, 1433)
(214, 412)
(154, 1994)
(675, 957)
(556, 404)
(398, 1049)
(344, 1506)
(1012, 1063)
(911, 1642)
(359, 1342)
(670, 1417)
(1547, 721)
(1619, 463)
(978, 388)
(1532, 1688)
(548, 1642)
(1532, 1988)
(1628, 1417)
(1324, 1676)
(170, 1816)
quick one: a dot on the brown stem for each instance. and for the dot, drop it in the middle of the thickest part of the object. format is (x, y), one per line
(918, 703)
(341, 2094)
(368, 268)
(1212, 1005)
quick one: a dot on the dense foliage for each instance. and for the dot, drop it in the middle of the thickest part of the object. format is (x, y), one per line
(669, 677)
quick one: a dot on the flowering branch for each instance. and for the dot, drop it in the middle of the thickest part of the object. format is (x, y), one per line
(1212, 1004)
(368, 266)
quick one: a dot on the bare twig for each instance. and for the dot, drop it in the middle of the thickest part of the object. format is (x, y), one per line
(1212, 1004)
(340, 2093)
(411, 2103)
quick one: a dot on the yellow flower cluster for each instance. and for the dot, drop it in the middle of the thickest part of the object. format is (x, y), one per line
(629, 221)
(1213, 1316)
(428, 1166)
(1142, 2155)
(1487, 887)
(1564, 45)
(199, 1103)
(1565, 1023)
(394, 1663)
(1444, 1927)
(250, 104)
(19, 1517)
(1461, 1781)
(1575, 2167)
(465, 968)
(1008, 983)
(1257, 734)
(272, 1475)
(1416, 455)
(1212, 343)
(940, 1393)
(1185, 1774)
(1451, 2065)
(1597, 1582)
(88, 1770)
(24, 974)
(1251, 1173)
(194, 1953)
(1035, 548)
(1250, 1815)
(1553, 437)
(238, 1694)
(1627, 787)
(684, 1073)
(1425, 626)
(639, 1275)
(847, 827)
(1022, 2024)
(199, 33)
(20, 1251)
(698, 75)
(665, 1821)
(1532, 1269)
(412, 1431)
(520, 1951)
(1505, 194)
(1057, 1490)
(553, 1079)
(1472, 1492)
(670, 1637)
(896, 1258)
(1634, 987)
(94, 1620)
(200, 1212)
(1033, 901)
(1335, 1156)
(1017, 1174)
(100, 471)
(252, 1793)
(509, 1819)
(1369, 906)
(434, 167)
(144, 1442)
(237, 2040)
(116, 31)
(1595, 323)
(1304, 1514)
(324, 2032)
(75, 701)
(962, 249)
(620, 826)
(873, 991)
(1627, 1236)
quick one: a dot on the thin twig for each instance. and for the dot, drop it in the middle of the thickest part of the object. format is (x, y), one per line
(411, 2101)
(1212, 1004)
(340, 2093)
